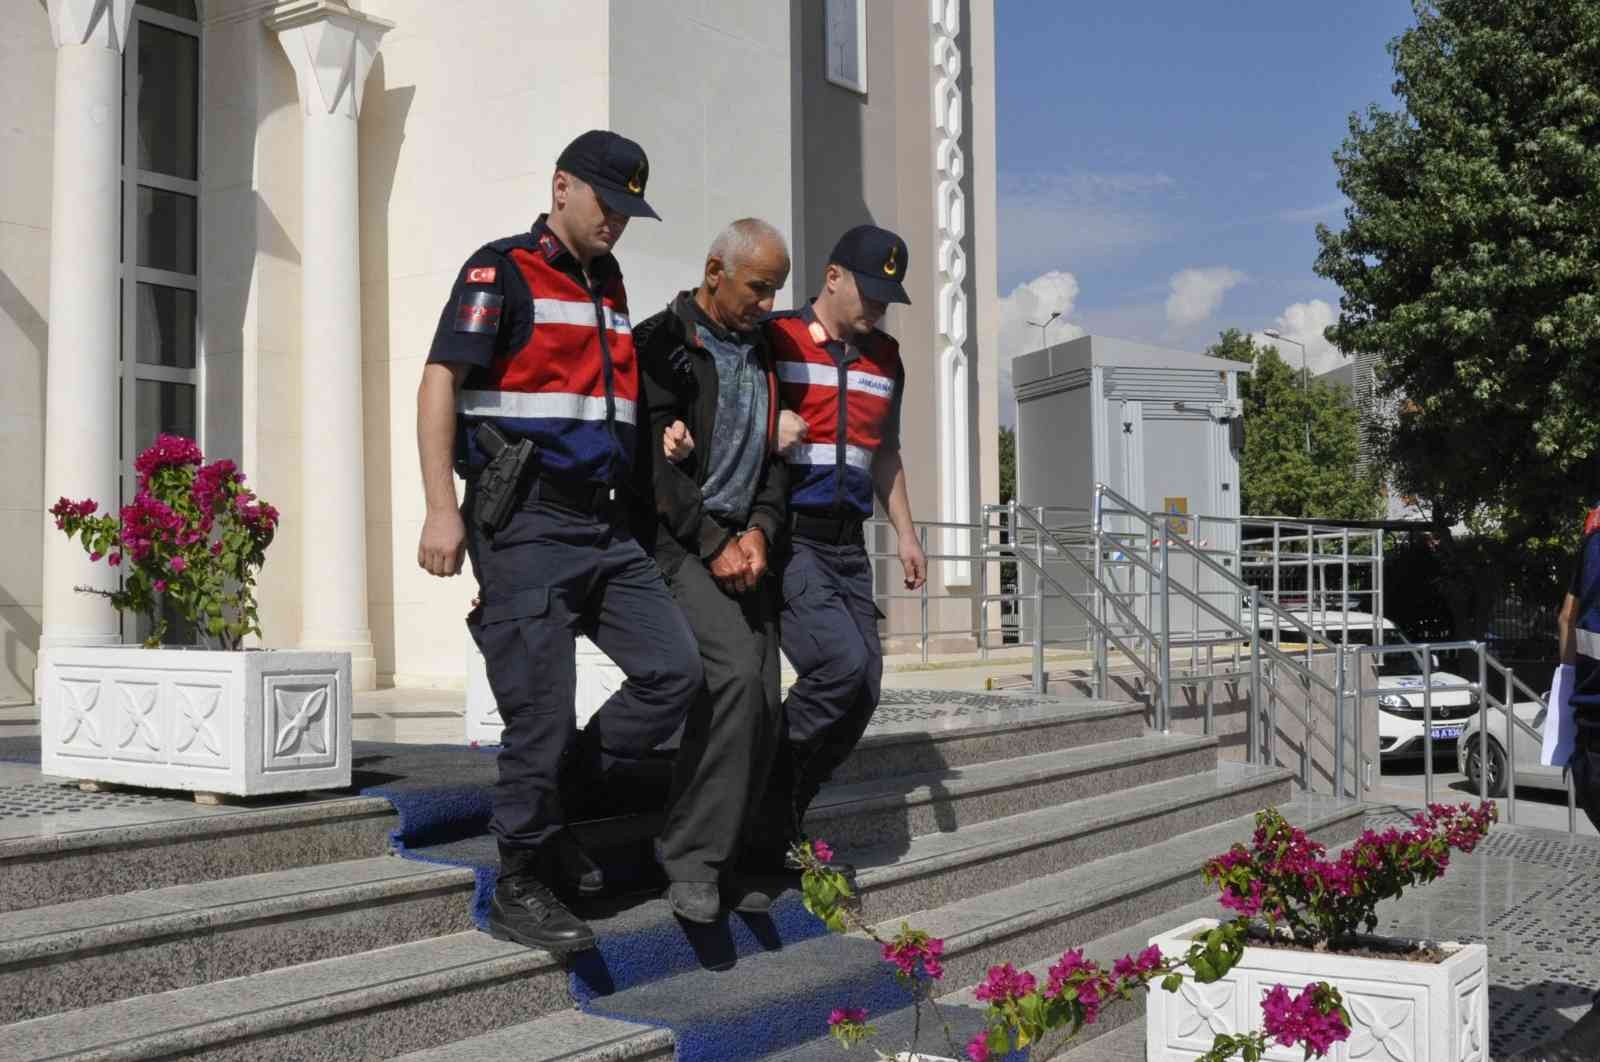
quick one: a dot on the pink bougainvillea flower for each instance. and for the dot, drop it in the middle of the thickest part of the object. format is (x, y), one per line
(178, 564)
(978, 1047)
(160, 586)
(114, 560)
(168, 451)
(822, 851)
(841, 1015)
(1005, 983)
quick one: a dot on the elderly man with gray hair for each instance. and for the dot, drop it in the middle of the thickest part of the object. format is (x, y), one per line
(721, 490)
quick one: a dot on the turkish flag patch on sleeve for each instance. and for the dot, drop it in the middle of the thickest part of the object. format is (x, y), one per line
(480, 275)
(1592, 524)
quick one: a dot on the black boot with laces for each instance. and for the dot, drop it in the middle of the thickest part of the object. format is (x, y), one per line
(525, 910)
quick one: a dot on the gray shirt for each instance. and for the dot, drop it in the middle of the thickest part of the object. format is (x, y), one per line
(738, 441)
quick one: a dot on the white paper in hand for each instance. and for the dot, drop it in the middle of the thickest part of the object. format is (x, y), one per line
(1560, 729)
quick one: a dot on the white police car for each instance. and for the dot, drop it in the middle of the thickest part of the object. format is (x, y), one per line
(1400, 685)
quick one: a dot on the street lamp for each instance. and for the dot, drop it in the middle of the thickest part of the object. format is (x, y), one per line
(1273, 333)
(1044, 327)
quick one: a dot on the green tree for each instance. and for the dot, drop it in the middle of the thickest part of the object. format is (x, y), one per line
(1008, 464)
(1279, 477)
(1470, 265)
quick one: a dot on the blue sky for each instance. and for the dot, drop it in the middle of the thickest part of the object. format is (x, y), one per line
(1162, 165)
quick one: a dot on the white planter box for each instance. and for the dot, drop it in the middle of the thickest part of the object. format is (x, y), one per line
(598, 679)
(1401, 1011)
(241, 723)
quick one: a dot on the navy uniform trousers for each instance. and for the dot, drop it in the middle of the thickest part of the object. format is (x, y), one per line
(829, 629)
(549, 575)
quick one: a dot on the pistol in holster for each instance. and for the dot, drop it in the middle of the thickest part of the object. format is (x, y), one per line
(503, 481)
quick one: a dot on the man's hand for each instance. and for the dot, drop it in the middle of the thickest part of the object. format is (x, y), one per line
(754, 544)
(443, 544)
(731, 568)
(913, 561)
(676, 442)
(792, 430)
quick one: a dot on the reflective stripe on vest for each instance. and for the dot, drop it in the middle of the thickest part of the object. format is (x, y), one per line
(572, 387)
(845, 406)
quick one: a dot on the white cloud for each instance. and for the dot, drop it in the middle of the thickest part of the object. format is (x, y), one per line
(1321, 212)
(1305, 322)
(1197, 293)
(1053, 292)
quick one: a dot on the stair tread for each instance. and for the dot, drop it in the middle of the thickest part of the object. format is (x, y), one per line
(566, 1036)
(877, 866)
(111, 920)
(920, 722)
(999, 774)
(307, 992)
(1003, 912)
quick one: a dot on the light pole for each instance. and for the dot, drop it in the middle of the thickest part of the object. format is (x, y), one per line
(1044, 327)
(1273, 333)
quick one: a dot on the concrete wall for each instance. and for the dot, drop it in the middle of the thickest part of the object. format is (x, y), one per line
(702, 86)
(27, 84)
(459, 136)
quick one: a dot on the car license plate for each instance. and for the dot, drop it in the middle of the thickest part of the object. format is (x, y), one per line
(1446, 733)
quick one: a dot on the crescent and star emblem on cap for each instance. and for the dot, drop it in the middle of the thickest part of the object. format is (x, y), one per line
(636, 182)
(891, 267)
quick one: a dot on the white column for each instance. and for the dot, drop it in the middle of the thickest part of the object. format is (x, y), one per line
(80, 452)
(331, 48)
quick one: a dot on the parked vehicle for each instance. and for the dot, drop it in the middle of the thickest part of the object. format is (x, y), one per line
(1401, 707)
(1527, 746)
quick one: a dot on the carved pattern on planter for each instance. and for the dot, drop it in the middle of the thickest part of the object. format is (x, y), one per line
(300, 728)
(1470, 1021)
(82, 729)
(1382, 1027)
(137, 703)
(1211, 1006)
(195, 736)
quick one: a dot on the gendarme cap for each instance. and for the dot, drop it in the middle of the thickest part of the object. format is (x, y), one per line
(615, 166)
(879, 260)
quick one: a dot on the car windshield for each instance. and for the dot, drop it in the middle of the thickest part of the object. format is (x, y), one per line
(1400, 664)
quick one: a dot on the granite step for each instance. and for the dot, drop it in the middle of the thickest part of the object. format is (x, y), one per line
(937, 868)
(945, 730)
(888, 812)
(148, 843)
(892, 810)
(770, 1000)
(1108, 908)
(95, 951)
(566, 1036)
(375, 1004)
(1043, 916)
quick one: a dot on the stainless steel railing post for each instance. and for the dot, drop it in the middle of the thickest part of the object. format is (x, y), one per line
(922, 536)
(1427, 723)
(1338, 722)
(1511, 759)
(1483, 724)
(1254, 725)
(1164, 709)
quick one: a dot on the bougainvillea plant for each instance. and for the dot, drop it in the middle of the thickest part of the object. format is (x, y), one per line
(193, 538)
(1283, 878)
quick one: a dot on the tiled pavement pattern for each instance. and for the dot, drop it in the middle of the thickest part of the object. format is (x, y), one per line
(1533, 896)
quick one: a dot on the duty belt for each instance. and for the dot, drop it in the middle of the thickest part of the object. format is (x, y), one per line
(592, 499)
(834, 530)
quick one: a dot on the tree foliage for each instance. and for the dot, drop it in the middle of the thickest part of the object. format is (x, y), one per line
(1280, 476)
(1470, 261)
(1008, 464)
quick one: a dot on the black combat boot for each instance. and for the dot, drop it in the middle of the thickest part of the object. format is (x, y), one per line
(524, 909)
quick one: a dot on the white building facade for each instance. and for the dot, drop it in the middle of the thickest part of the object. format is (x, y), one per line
(238, 220)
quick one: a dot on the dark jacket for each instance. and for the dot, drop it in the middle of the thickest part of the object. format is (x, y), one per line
(679, 378)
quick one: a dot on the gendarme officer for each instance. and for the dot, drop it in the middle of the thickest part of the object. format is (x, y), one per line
(843, 377)
(531, 390)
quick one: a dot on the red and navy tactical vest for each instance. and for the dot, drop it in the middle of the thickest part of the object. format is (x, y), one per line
(570, 382)
(848, 395)
(1586, 589)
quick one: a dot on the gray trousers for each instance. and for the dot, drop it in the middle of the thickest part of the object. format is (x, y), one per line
(734, 723)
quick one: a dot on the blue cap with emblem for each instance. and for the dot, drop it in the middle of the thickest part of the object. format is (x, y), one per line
(879, 260)
(615, 166)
